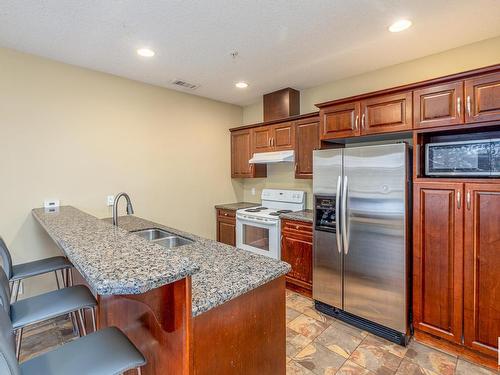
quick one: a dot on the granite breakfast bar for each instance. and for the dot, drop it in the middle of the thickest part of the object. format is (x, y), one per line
(194, 309)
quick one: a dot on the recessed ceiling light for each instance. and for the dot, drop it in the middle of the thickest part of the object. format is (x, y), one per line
(145, 52)
(241, 85)
(400, 25)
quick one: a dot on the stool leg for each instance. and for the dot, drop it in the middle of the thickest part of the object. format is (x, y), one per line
(57, 280)
(70, 277)
(11, 287)
(76, 328)
(94, 322)
(82, 322)
(16, 290)
(19, 337)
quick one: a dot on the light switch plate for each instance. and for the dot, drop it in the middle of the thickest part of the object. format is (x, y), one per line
(110, 200)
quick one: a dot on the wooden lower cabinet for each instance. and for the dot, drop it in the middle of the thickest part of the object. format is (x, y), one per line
(482, 268)
(438, 259)
(296, 249)
(226, 227)
(456, 263)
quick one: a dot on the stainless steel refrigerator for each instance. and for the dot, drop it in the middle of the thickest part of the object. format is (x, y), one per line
(361, 244)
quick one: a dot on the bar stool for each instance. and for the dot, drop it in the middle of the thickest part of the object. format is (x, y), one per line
(18, 272)
(28, 311)
(106, 352)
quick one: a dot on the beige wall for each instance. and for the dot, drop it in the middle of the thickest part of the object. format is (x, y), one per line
(79, 135)
(456, 60)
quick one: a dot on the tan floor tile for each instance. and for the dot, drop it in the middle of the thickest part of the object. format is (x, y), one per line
(313, 313)
(293, 368)
(338, 341)
(299, 302)
(351, 368)
(396, 349)
(431, 359)
(374, 358)
(291, 314)
(307, 326)
(349, 329)
(319, 360)
(408, 367)
(295, 342)
(466, 368)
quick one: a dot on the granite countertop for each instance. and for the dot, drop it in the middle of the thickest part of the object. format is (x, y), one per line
(236, 206)
(305, 215)
(114, 261)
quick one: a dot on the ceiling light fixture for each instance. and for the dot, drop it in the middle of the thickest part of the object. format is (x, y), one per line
(400, 25)
(145, 52)
(241, 85)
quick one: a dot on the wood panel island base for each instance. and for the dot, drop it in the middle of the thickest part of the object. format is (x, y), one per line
(243, 336)
(200, 308)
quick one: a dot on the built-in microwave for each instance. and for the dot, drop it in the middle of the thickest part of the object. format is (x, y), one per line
(465, 158)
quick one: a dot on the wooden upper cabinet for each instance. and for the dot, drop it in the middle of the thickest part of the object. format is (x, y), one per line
(241, 153)
(339, 121)
(482, 267)
(439, 105)
(262, 137)
(387, 113)
(283, 137)
(307, 140)
(438, 259)
(482, 98)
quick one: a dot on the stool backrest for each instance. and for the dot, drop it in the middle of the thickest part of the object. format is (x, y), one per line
(4, 293)
(8, 360)
(6, 258)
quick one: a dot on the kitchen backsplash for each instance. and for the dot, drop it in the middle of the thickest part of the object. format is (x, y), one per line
(279, 176)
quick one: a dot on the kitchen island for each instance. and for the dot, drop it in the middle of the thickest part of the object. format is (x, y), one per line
(202, 308)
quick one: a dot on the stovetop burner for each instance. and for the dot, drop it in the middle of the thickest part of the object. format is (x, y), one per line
(279, 212)
(256, 209)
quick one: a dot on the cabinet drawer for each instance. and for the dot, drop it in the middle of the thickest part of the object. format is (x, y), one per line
(226, 214)
(294, 226)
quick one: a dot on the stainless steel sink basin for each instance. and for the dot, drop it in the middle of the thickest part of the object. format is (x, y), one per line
(163, 237)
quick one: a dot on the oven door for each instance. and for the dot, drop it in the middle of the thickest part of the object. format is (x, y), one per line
(258, 235)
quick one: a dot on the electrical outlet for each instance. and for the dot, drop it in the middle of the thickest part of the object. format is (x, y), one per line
(253, 191)
(110, 199)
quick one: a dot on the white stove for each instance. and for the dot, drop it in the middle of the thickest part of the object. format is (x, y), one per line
(258, 228)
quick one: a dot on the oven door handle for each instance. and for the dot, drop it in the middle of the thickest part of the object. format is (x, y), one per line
(252, 220)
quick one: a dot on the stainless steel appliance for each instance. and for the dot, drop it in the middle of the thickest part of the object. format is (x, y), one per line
(258, 228)
(465, 158)
(361, 222)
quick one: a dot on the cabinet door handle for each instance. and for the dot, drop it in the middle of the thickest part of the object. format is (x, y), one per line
(272, 142)
(296, 165)
(468, 199)
(459, 105)
(363, 121)
(269, 142)
(468, 105)
(459, 199)
(356, 123)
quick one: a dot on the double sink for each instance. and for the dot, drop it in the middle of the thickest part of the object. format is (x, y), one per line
(162, 237)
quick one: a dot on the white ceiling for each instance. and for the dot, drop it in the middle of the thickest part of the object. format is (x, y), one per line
(296, 43)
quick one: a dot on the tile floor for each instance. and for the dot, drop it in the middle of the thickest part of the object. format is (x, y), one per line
(316, 344)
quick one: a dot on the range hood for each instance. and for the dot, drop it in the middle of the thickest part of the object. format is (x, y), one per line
(272, 157)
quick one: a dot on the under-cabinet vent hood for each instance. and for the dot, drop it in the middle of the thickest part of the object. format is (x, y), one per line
(272, 157)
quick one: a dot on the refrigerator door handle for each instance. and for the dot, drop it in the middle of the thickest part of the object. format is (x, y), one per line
(337, 215)
(344, 217)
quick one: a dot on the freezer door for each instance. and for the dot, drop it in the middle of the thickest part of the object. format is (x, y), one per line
(374, 211)
(327, 254)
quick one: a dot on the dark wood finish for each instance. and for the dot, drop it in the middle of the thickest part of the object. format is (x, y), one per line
(387, 113)
(296, 249)
(243, 336)
(307, 140)
(484, 95)
(415, 86)
(283, 137)
(438, 259)
(339, 121)
(262, 138)
(241, 153)
(482, 268)
(226, 227)
(456, 349)
(158, 322)
(288, 119)
(281, 104)
(439, 105)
